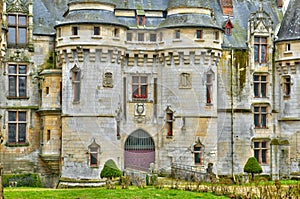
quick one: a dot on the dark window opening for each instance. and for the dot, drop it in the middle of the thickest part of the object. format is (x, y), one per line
(17, 127)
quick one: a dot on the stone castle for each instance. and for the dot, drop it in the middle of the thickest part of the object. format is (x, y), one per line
(149, 82)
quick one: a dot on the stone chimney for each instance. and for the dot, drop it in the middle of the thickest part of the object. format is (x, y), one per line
(227, 7)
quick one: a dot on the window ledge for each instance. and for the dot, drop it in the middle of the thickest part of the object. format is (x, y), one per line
(17, 98)
(116, 38)
(25, 144)
(288, 52)
(216, 41)
(199, 40)
(209, 104)
(94, 166)
(97, 37)
(169, 136)
(74, 37)
(60, 39)
(177, 40)
(76, 102)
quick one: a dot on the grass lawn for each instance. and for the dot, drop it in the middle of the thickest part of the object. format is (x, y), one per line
(85, 193)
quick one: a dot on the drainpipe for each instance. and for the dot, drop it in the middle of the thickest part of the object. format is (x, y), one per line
(232, 115)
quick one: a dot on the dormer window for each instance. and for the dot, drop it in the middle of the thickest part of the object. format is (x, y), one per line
(141, 20)
(17, 29)
(228, 27)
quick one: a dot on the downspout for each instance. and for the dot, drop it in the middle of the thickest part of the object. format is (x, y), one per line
(232, 115)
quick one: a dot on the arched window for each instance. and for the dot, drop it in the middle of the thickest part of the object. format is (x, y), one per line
(94, 150)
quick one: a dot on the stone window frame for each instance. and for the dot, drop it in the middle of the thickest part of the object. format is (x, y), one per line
(17, 76)
(141, 20)
(141, 37)
(170, 122)
(177, 34)
(261, 150)
(260, 49)
(152, 37)
(209, 84)
(16, 27)
(185, 80)
(94, 152)
(76, 83)
(129, 36)
(286, 85)
(97, 31)
(199, 34)
(260, 85)
(260, 115)
(17, 122)
(139, 85)
(75, 30)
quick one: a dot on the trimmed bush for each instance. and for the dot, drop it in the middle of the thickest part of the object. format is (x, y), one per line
(110, 170)
(22, 180)
(252, 166)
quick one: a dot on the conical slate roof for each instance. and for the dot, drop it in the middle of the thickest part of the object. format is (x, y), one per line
(290, 27)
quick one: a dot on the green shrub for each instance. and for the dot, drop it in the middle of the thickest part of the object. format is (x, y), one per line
(252, 166)
(110, 170)
(22, 180)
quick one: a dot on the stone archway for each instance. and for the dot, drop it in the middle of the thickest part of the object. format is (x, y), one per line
(139, 151)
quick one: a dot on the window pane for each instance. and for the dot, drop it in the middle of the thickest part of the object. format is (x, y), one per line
(12, 86)
(22, 133)
(264, 156)
(22, 116)
(22, 69)
(256, 155)
(256, 58)
(256, 94)
(22, 20)
(143, 79)
(144, 91)
(263, 78)
(256, 109)
(129, 36)
(12, 35)
(197, 148)
(22, 35)
(93, 157)
(263, 53)
(263, 90)
(96, 31)
(22, 86)
(263, 109)
(197, 158)
(135, 89)
(256, 78)
(263, 145)
(11, 20)
(135, 79)
(11, 132)
(256, 120)
(263, 120)
(12, 69)
(256, 144)
(12, 116)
